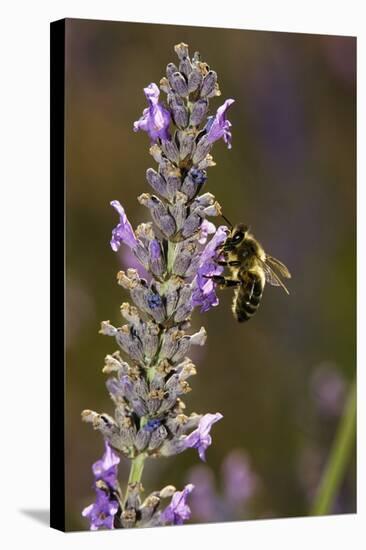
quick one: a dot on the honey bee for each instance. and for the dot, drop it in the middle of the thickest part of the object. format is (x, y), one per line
(250, 268)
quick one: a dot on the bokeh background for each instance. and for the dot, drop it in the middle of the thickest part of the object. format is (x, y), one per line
(281, 379)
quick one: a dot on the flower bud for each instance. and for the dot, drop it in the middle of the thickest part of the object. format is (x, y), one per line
(199, 112)
(156, 181)
(185, 67)
(208, 84)
(157, 437)
(170, 70)
(181, 50)
(171, 151)
(194, 80)
(179, 84)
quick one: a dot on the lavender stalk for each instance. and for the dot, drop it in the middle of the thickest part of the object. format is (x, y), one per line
(179, 251)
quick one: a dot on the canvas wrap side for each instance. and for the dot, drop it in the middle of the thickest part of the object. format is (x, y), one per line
(57, 298)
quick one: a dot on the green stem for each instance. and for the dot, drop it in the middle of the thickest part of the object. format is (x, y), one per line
(339, 458)
(137, 466)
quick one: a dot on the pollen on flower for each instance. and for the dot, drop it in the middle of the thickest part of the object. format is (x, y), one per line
(154, 301)
(151, 425)
(198, 176)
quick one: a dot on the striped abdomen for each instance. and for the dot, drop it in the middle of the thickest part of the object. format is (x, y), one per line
(247, 297)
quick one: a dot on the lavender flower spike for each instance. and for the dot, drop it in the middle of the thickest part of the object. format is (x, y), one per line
(123, 232)
(218, 126)
(178, 510)
(200, 438)
(179, 251)
(102, 512)
(156, 118)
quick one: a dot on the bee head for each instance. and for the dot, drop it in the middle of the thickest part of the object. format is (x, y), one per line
(238, 233)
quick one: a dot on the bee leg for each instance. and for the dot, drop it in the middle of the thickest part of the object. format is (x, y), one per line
(228, 246)
(235, 263)
(222, 281)
(225, 247)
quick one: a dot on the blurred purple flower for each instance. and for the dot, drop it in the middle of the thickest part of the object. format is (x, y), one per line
(204, 500)
(123, 232)
(106, 468)
(240, 482)
(329, 389)
(204, 294)
(218, 126)
(156, 118)
(178, 510)
(200, 438)
(102, 512)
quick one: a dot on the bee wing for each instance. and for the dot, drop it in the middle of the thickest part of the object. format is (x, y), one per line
(269, 274)
(282, 269)
(271, 277)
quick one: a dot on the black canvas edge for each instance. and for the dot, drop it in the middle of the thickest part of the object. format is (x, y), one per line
(57, 298)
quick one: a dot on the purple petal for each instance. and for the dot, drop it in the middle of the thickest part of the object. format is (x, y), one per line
(106, 468)
(129, 260)
(206, 229)
(200, 438)
(155, 250)
(123, 232)
(210, 253)
(156, 118)
(114, 387)
(102, 512)
(206, 422)
(219, 127)
(152, 94)
(204, 293)
(178, 510)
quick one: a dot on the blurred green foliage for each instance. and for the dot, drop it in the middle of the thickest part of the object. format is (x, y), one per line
(290, 175)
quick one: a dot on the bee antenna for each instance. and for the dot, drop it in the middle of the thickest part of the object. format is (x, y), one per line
(227, 221)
